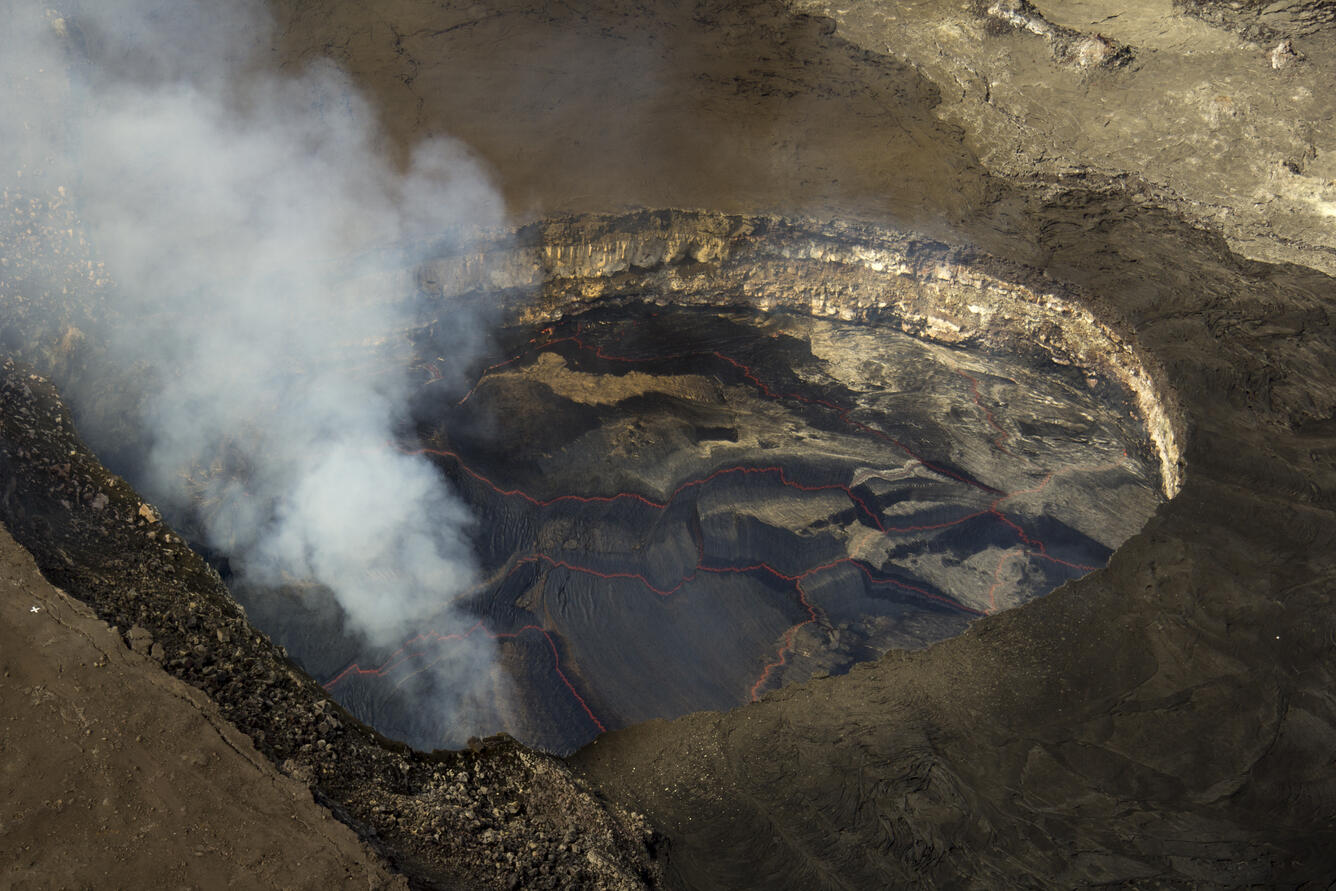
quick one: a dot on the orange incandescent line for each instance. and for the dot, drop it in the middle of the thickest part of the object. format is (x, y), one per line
(747, 372)
(783, 655)
(1002, 435)
(845, 415)
(997, 580)
(700, 567)
(796, 578)
(649, 502)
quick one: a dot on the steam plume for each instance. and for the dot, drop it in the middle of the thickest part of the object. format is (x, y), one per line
(240, 214)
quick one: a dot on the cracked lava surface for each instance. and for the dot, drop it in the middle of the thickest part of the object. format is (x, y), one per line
(683, 509)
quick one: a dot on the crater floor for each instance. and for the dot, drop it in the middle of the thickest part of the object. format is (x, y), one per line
(686, 508)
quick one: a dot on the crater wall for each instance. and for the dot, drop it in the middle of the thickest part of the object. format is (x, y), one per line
(854, 272)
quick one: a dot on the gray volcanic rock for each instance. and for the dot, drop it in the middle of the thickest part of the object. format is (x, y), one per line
(1164, 720)
(117, 774)
(1262, 19)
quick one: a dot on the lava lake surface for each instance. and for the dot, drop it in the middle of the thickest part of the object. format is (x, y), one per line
(682, 509)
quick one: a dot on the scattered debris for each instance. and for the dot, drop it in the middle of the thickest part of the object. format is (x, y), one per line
(1284, 55)
(427, 808)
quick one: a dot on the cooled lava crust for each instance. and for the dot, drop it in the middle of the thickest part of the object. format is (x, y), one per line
(684, 509)
(692, 492)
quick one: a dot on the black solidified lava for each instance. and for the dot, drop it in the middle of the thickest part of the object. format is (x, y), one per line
(682, 509)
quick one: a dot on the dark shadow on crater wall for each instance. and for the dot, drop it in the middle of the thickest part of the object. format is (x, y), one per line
(1059, 713)
(1037, 749)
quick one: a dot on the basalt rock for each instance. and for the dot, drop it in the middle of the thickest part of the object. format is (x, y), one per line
(1263, 20)
(849, 271)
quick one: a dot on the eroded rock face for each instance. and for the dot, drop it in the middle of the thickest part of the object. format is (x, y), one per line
(832, 283)
(998, 753)
(1203, 119)
(828, 406)
(1166, 721)
(1259, 19)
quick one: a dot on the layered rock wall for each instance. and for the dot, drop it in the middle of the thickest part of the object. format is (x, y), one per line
(847, 271)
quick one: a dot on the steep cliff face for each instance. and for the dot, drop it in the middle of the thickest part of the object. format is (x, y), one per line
(567, 267)
(487, 816)
(1162, 720)
(846, 271)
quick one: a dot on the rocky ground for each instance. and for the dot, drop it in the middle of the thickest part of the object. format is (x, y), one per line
(116, 775)
(1165, 722)
(493, 814)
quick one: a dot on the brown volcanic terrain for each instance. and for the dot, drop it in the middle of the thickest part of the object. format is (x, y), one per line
(116, 775)
(1167, 721)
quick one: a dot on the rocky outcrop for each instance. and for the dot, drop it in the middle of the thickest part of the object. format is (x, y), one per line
(474, 813)
(1070, 47)
(1167, 721)
(128, 775)
(1162, 721)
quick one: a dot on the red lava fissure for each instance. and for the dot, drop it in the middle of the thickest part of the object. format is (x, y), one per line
(417, 647)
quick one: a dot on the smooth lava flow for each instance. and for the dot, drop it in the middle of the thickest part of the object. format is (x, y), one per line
(683, 509)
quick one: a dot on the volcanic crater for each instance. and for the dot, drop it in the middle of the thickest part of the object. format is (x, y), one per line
(712, 455)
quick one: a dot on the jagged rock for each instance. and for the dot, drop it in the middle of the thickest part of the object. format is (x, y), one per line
(1284, 55)
(345, 767)
(139, 640)
(1167, 722)
(1070, 47)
